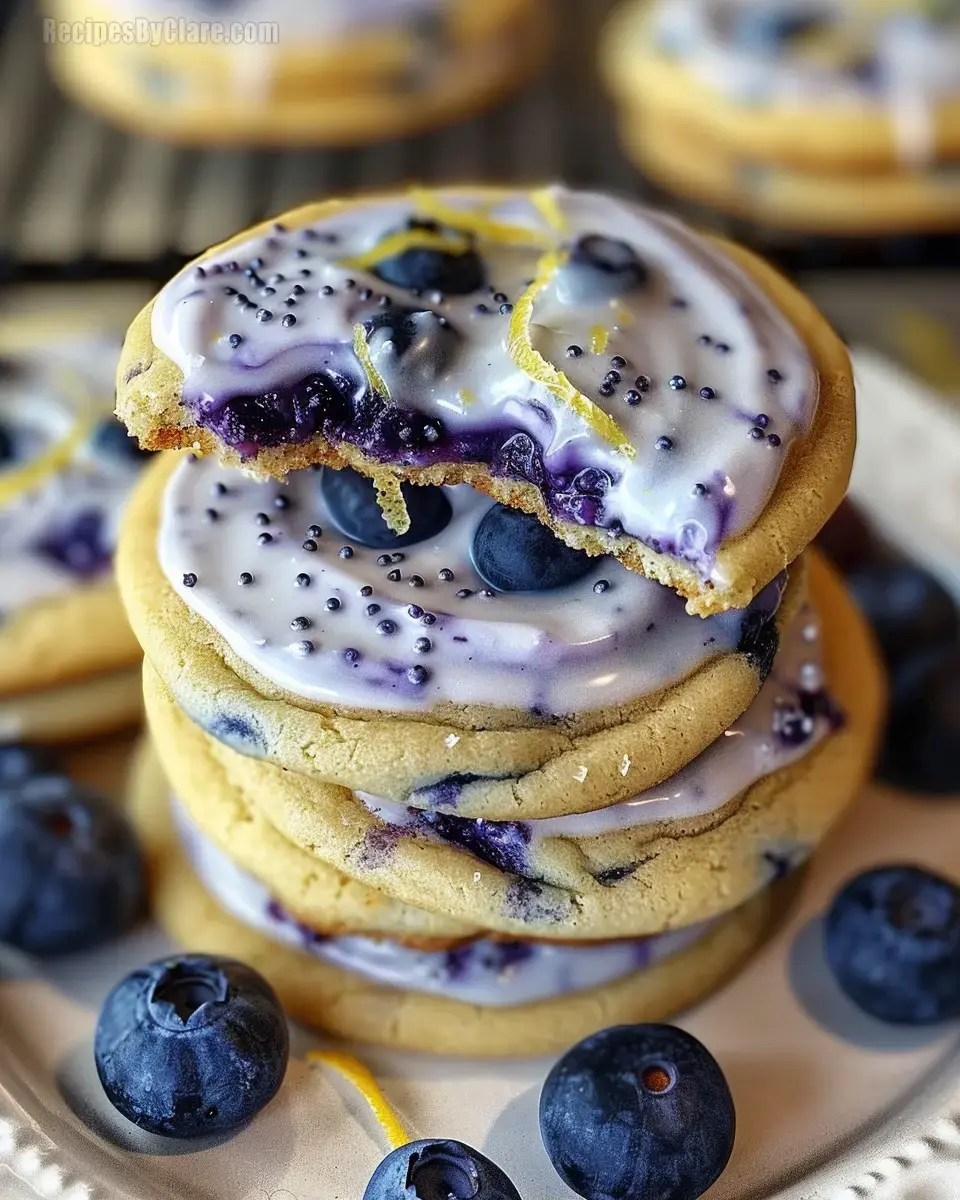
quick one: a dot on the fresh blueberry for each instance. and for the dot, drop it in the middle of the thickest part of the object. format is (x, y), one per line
(638, 1112)
(922, 745)
(19, 763)
(191, 1045)
(600, 268)
(427, 269)
(72, 873)
(892, 940)
(765, 30)
(80, 545)
(435, 1170)
(111, 438)
(908, 609)
(514, 552)
(421, 342)
(7, 445)
(351, 501)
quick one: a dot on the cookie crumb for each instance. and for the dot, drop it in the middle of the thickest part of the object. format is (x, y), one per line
(625, 765)
(580, 774)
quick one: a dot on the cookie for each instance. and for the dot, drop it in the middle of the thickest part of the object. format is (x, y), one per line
(66, 469)
(372, 86)
(828, 88)
(415, 1017)
(312, 894)
(231, 552)
(781, 197)
(645, 391)
(85, 708)
(698, 845)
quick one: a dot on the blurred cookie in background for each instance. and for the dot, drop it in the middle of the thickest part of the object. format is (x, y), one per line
(264, 72)
(69, 664)
(837, 117)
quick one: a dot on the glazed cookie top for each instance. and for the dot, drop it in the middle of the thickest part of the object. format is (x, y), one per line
(66, 468)
(580, 357)
(476, 604)
(816, 52)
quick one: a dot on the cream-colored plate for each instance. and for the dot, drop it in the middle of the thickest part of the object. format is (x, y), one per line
(830, 1105)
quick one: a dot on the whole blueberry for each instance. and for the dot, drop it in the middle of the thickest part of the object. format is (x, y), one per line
(892, 939)
(418, 341)
(111, 438)
(72, 873)
(907, 607)
(921, 749)
(351, 500)
(439, 1170)
(191, 1045)
(600, 268)
(514, 552)
(18, 763)
(638, 1112)
(423, 268)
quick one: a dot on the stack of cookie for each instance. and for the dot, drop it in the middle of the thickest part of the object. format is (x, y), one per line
(69, 665)
(481, 764)
(819, 116)
(279, 73)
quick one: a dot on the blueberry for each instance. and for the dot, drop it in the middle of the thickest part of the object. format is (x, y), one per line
(922, 746)
(421, 341)
(425, 269)
(191, 1045)
(80, 545)
(72, 875)
(111, 438)
(435, 1170)
(908, 609)
(600, 268)
(7, 445)
(290, 414)
(352, 503)
(18, 763)
(638, 1112)
(514, 552)
(892, 939)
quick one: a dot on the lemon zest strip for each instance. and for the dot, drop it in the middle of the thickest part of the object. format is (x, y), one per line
(525, 355)
(477, 223)
(362, 351)
(355, 1072)
(16, 482)
(544, 200)
(412, 239)
(393, 507)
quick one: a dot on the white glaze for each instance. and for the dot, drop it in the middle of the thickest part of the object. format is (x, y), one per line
(652, 495)
(746, 753)
(561, 651)
(546, 971)
(917, 60)
(65, 384)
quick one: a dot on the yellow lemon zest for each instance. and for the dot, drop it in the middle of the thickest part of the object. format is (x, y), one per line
(536, 367)
(412, 239)
(23, 479)
(598, 339)
(544, 200)
(393, 507)
(354, 1071)
(467, 397)
(362, 351)
(477, 222)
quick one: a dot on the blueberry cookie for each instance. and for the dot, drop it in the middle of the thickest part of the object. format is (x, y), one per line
(824, 85)
(68, 660)
(293, 73)
(311, 893)
(484, 999)
(644, 391)
(483, 661)
(749, 808)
